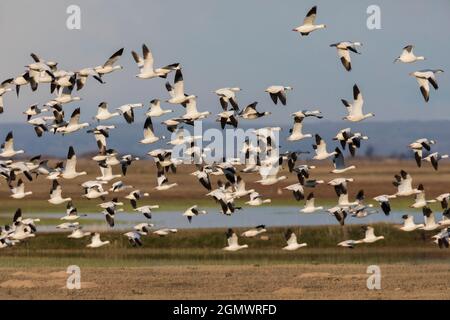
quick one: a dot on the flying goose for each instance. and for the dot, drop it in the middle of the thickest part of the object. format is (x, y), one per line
(339, 164)
(269, 175)
(103, 112)
(296, 131)
(94, 192)
(4, 87)
(73, 124)
(164, 232)
(349, 243)
(55, 194)
(434, 158)
(419, 198)
(134, 238)
(383, 200)
(155, 109)
(126, 161)
(96, 242)
(227, 117)
(250, 112)
(192, 212)
(232, 241)
(442, 239)
(309, 205)
(143, 228)
(240, 189)
(418, 145)
(320, 148)
(70, 171)
(443, 199)
(111, 204)
(253, 232)
(78, 233)
(8, 147)
(228, 95)
(430, 222)
(339, 213)
(192, 114)
(177, 95)
(409, 225)
(83, 74)
(308, 25)
(408, 55)
(355, 110)
(23, 79)
(134, 196)
(127, 111)
(63, 96)
(278, 93)
(370, 235)
(291, 241)
(203, 178)
(424, 78)
(256, 199)
(303, 170)
(149, 134)
(33, 110)
(145, 65)
(68, 225)
(109, 66)
(343, 50)
(403, 182)
(119, 186)
(163, 182)
(18, 192)
(146, 210)
(71, 213)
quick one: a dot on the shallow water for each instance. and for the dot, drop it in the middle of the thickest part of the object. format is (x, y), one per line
(248, 216)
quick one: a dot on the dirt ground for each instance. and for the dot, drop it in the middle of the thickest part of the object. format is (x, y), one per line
(342, 281)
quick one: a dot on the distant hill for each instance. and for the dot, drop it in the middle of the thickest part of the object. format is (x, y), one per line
(386, 138)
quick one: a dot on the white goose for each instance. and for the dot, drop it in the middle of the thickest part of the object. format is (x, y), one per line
(430, 221)
(70, 171)
(164, 232)
(309, 205)
(408, 56)
(163, 182)
(134, 238)
(83, 74)
(339, 162)
(73, 124)
(343, 49)
(143, 228)
(278, 93)
(296, 131)
(95, 192)
(78, 233)
(253, 232)
(177, 95)
(250, 112)
(155, 109)
(149, 133)
(291, 240)
(269, 175)
(256, 199)
(107, 174)
(424, 78)
(109, 66)
(418, 145)
(192, 114)
(240, 189)
(383, 200)
(233, 242)
(8, 147)
(419, 198)
(134, 196)
(71, 213)
(308, 25)
(370, 235)
(409, 225)
(403, 182)
(193, 212)
(127, 111)
(355, 110)
(119, 186)
(146, 210)
(4, 87)
(434, 159)
(96, 242)
(320, 148)
(145, 65)
(103, 112)
(228, 95)
(33, 110)
(18, 192)
(56, 194)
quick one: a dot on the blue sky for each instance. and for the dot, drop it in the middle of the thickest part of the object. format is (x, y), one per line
(236, 43)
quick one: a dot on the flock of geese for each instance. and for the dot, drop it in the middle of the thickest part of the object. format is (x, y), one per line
(261, 156)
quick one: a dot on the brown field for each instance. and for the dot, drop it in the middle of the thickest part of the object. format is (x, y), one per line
(374, 176)
(342, 281)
